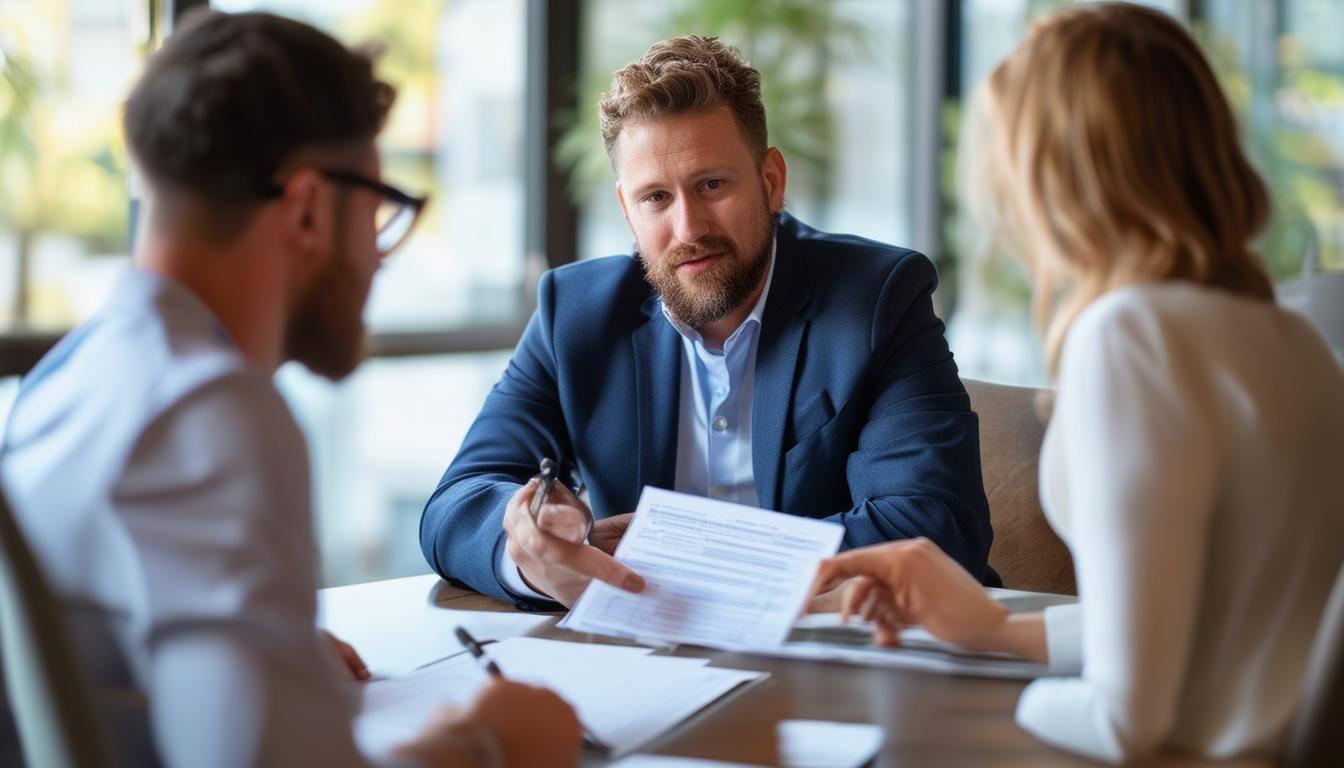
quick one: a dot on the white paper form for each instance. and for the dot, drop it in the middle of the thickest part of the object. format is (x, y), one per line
(716, 574)
(623, 695)
(395, 628)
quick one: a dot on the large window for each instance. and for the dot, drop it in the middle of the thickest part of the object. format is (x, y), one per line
(64, 194)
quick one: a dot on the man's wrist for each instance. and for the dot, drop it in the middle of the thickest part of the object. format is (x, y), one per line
(530, 585)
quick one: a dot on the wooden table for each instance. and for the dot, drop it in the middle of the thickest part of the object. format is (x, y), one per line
(930, 719)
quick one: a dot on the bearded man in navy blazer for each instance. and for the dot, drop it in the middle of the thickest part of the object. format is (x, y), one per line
(739, 354)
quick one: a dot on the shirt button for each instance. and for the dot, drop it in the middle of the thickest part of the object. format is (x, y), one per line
(720, 424)
(718, 492)
(721, 391)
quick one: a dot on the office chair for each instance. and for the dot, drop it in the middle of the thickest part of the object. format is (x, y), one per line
(1026, 553)
(1316, 737)
(51, 703)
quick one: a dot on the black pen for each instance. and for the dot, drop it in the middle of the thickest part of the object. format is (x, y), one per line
(474, 648)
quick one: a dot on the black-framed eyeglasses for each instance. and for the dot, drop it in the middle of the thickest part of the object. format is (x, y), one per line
(397, 210)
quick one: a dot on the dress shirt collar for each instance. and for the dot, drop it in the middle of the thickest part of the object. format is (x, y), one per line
(136, 288)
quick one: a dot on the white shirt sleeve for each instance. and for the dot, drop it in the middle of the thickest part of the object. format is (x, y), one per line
(1064, 638)
(1138, 459)
(506, 570)
(215, 494)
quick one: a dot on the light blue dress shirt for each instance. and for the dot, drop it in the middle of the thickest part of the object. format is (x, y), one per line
(163, 486)
(714, 426)
(714, 429)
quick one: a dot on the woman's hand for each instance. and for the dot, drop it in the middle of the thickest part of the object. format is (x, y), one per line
(907, 583)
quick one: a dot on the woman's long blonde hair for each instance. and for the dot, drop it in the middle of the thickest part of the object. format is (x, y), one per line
(1108, 156)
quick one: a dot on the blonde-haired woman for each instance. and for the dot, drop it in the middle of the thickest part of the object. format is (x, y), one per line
(1192, 456)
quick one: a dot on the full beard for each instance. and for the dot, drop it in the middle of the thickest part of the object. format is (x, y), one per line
(713, 294)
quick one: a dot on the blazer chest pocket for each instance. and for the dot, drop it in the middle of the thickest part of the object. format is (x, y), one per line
(812, 417)
(815, 483)
(821, 434)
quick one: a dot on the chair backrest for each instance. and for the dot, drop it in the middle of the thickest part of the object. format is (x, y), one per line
(1317, 733)
(1026, 552)
(50, 701)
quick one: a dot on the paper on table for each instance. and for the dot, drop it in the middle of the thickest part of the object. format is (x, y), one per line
(716, 574)
(822, 637)
(801, 744)
(395, 628)
(828, 627)
(822, 744)
(623, 695)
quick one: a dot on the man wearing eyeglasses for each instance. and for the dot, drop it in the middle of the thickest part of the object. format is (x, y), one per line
(740, 355)
(154, 467)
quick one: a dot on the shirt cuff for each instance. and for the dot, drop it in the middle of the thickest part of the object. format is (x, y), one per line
(1064, 639)
(1068, 713)
(506, 571)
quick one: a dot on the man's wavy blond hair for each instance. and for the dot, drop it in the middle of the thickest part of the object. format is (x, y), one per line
(1107, 155)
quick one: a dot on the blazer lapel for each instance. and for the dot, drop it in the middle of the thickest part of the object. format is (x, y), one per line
(657, 349)
(782, 329)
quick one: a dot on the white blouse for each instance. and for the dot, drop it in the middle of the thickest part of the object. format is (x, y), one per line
(1194, 464)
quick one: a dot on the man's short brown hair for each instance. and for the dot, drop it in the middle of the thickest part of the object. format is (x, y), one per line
(685, 74)
(230, 97)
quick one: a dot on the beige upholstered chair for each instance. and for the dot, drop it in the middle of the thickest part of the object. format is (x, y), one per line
(1026, 553)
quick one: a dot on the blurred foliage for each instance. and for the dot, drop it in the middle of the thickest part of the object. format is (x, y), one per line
(63, 167)
(792, 43)
(1296, 161)
(62, 162)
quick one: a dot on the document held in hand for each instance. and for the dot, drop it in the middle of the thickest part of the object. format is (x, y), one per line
(716, 574)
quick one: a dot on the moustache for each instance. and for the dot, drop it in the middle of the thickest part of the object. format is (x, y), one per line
(709, 246)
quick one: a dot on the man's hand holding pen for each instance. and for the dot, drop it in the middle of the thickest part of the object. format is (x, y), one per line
(557, 544)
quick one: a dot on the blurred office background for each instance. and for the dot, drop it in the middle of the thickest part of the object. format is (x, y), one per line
(496, 120)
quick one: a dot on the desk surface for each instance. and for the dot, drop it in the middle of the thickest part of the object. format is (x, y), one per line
(930, 719)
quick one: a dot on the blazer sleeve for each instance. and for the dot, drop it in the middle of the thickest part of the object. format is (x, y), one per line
(915, 470)
(461, 529)
(1139, 461)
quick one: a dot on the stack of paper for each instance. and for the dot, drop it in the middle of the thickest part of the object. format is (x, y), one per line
(624, 696)
(824, 637)
(716, 574)
(395, 628)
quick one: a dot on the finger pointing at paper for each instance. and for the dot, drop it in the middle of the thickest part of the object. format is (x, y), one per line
(551, 552)
(913, 582)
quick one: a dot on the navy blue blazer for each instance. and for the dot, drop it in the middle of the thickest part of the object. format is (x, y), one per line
(858, 413)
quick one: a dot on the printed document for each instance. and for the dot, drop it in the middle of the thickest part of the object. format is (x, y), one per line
(716, 574)
(396, 628)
